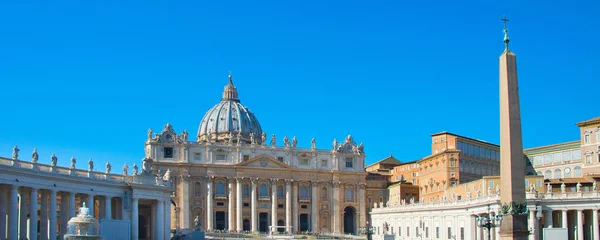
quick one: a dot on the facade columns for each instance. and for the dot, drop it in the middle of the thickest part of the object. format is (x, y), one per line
(90, 204)
(273, 205)
(565, 219)
(3, 212)
(134, 219)
(185, 202)
(288, 205)
(72, 205)
(160, 219)
(336, 209)
(33, 214)
(23, 214)
(595, 224)
(44, 216)
(108, 207)
(64, 214)
(13, 220)
(315, 207)
(533, 225)
(580, 224)
(254, 206)
(231, 222)
(167, 224)
(238, 210)
(549, 219)
(209, 204)
(52, 227)
(295, 220)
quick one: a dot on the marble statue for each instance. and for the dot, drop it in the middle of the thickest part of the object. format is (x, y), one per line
(184, 135)
(239, 137)
(489, 190)
(348, 139)
(273, 140)
(230, 140)
(294, 142)
(263, 138)
(469, 194)
(91, 165)
(252, 141)
(208, 137)
(563, 188)
(135, 169)
(532, 188)
(15, 154)
(548, 188)
(335, 144)
(375, 205)
(108, 167)
(313, 143)
(361, 148)
(286, 141)
(34, 156)
(73, 161)
(197, 222)
(150, 133)
(53, 160)
(578, 187)
(167, 176)
(497, 189)
(594, 186)
(125, 169)
(146, 165)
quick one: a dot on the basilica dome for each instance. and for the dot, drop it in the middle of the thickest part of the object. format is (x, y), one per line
(229, 120)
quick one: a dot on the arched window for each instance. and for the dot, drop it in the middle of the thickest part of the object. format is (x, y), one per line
(303, 192)
(280, 192)
(264, 191)
(557, 174)
(548, 174)
(197, 189)
(246, 190)
(220, 188)
(349, 194)
(567, 172)
(577, 172)
(324, 193)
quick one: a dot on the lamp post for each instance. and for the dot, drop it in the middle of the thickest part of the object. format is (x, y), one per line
(367, 230)
(489, 222)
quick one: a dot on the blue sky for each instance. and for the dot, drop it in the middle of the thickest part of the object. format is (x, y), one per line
(87, 79)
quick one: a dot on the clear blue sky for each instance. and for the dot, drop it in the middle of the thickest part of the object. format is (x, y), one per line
(88, 79)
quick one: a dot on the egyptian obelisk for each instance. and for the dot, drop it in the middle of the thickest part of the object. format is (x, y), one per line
(512, 162)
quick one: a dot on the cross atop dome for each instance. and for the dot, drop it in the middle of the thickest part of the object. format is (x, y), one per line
(230, 92)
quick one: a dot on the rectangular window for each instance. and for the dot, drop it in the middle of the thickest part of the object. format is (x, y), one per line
(396, 178)
(220, 204)
(426, 232)
(304, 206)
(407, 231)
(246, 204)
(399, 231)
(449, 233)
(539, 182)
(197, 156)
(437, 232)
(462, 233)
(547, 158)
(566, 156)
(588, 159)
(576, 154)
(221, 157)
(586, 138)
(557, 157)
(168, 152)
(323, 162)
(349, 163)
(304, 162)
(246, 158)
(279, 205)
(280, 159)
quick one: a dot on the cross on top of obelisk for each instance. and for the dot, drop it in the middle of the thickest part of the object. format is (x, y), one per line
(505, 30)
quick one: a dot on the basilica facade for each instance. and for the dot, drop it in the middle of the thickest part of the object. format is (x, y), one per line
(234, 177)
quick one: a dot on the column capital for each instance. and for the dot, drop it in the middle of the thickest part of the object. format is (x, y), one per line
(336, 184)
(230, 180)
(362, 185)
(253, 180)
(289, 180)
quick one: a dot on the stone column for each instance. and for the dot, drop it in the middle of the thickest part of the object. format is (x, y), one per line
(167, 204)
(288, 204)
(580, 224)
(44, 216)
(52, 227)
(595, 224)
(565, 219)
(549, 219)
(273, 205)
(238, 210)
(3, 212)
(33, 214)
(295, 198)
(254, 206)
(314, 207)
(230, 214)
(532, 224)
(24, 210)
(209, 204)
(134, 219)
(160, 218)
(64, 215)
(362, 204)
(72, 205)
(13, 214)
(90, 205)
(108, 207)
(336, 208)
(185, 202)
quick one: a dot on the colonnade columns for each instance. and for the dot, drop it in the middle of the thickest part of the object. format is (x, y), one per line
(134, 219)
(23, 214)
(533, 225)
(273, 205)
(108, 207)
(52, 227)
(44, 216)
(3, 200)
(13, 220)
(295, 207)
(565, 219)
(361, 204)
(548, 219)
(90, 205)
(595, 224)
(336, 209)
(64, 214)
(580, 224)
(209, 202)
(288, 204)
(238, 210)
(33, 214)
(231, 223)
(167, 224)
(160, 218)
(185, 202)
(254, 206)
(72, 205)
(315, 206)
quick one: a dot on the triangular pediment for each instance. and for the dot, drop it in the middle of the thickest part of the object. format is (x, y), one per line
(264, 161)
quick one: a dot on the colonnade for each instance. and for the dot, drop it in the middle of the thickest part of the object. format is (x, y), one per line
(583, 220)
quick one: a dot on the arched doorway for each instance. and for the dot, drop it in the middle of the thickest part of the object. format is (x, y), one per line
(246, 225)
(349, 220)
(280, 223)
